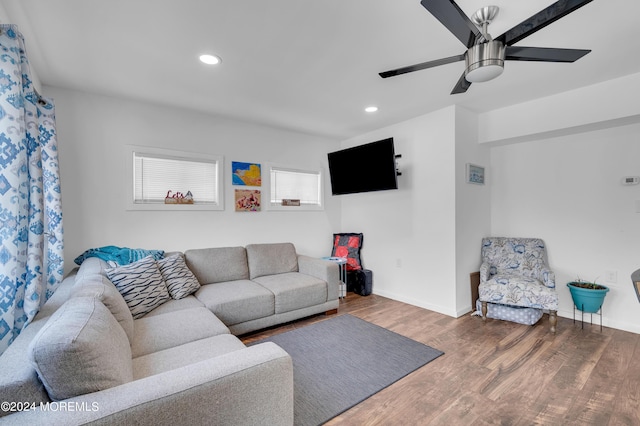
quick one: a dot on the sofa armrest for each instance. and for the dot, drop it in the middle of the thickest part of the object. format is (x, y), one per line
(251, 386)
(323, 269)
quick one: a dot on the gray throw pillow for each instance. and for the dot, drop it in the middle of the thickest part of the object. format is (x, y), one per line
(141, 285)
(179, 279)
(109, 295)
(81, 349)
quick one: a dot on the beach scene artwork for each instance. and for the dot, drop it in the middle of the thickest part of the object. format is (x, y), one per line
(247, 200)
(246, 174)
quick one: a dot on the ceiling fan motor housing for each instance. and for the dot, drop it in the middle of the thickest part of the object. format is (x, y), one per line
(484, 61)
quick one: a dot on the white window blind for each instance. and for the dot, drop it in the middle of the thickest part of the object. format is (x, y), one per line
(302, 185)
(155, 172)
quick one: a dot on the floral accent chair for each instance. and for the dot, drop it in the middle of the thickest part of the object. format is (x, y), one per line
(515, 272)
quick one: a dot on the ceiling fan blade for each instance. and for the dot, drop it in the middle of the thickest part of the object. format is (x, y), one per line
(544, 54)
(461, 86)
(423, 65)
(454, 19)
(540, 20)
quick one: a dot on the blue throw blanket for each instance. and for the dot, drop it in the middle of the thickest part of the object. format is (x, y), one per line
(120, 255)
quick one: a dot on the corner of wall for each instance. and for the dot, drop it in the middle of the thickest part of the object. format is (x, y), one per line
(473, 205)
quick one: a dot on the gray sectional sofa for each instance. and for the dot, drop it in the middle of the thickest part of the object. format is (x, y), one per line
(85, 359)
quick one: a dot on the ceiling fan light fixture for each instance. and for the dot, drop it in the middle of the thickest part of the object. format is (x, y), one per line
(484, 61)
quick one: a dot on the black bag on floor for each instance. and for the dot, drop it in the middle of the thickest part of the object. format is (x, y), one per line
(351, 280)
(363, 284)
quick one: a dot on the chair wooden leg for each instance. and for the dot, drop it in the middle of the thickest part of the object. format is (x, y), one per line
(553, 320)
(484, 311)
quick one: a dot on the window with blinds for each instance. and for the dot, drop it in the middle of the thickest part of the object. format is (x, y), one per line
(291, 184)
(155, 172)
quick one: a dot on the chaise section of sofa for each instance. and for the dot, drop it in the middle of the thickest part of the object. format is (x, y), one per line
(250, 386)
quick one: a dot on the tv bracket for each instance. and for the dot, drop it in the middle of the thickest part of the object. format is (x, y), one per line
(398, 172)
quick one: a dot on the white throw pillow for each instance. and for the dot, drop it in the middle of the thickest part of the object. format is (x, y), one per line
(179, 279)
(141, 285)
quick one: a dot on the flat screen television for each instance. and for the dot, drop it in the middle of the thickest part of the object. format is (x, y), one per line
(363, 168)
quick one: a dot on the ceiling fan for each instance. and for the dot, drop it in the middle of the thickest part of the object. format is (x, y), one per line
(485, 56)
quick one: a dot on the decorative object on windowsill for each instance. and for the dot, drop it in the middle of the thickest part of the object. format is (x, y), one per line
(178, 198)
(290, 202)
(588, 297)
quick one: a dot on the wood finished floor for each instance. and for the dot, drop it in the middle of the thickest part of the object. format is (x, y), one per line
(498, 372)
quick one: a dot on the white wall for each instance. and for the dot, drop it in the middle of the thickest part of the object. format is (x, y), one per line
(604, 105)
(92, 133)
(423, 240)
(568, 191)
(409, 233)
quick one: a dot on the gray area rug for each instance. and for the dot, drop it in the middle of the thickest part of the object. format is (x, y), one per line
(340, 362)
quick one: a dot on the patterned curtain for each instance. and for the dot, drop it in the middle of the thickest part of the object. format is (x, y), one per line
(31, 265)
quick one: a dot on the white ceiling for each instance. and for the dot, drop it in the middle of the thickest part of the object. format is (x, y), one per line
(307, 65)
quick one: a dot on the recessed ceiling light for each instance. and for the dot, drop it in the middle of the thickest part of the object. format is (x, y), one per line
(371, 109)
(210, 59)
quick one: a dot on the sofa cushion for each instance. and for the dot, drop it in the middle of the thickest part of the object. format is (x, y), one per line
(294, 290)
(159, 332)
(141, 285)
(179, 279)
(214, 265)
(189, 353)
(109, 295)
(269, 259)
(59, 296)
(237, 301)
(81, 349)
(518, 290)
(176, 305)
(91, 269)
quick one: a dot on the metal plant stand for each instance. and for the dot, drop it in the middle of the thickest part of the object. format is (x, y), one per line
(599, 313)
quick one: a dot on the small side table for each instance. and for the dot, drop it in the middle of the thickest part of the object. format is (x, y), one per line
(342, 268)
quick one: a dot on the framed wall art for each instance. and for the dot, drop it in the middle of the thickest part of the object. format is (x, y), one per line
(246, 174)
(248, 200)
(475, 174)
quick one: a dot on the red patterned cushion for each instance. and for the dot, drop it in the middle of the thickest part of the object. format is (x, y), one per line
(348, 245)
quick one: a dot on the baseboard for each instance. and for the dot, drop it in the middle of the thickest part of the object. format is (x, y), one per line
(419, 303)
(632, 328)
(606, 322)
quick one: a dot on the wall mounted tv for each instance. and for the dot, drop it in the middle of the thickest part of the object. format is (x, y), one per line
(363, 168)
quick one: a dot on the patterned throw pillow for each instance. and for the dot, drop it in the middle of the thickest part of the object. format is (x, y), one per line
(348, 245)
(141, 285)
(180, 280)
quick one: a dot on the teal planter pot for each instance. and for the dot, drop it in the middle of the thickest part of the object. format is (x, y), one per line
(587, 300)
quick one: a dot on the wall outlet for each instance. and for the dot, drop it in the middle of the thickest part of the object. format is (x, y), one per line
(611, 276)
(398, 263)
